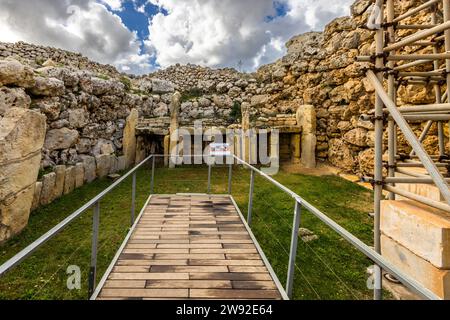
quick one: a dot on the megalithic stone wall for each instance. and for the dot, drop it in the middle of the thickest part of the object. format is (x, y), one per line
(22, 134)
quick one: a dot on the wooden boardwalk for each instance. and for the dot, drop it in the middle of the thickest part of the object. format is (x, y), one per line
(190, 247)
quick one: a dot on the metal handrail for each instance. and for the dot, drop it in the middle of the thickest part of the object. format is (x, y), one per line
(353, 240)
(94, 203)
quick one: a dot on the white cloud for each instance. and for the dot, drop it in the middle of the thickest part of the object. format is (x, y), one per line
(220, 33)
(215, 33)
(84, 26)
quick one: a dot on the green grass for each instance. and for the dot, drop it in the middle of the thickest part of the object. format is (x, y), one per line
(329, 268)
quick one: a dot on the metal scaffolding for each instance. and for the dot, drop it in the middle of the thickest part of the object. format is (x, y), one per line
(421, 58)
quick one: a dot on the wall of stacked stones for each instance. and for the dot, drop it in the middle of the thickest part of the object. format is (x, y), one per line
(71, 126)
(320, 70)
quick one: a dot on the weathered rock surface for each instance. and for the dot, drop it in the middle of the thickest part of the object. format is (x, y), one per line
(60, 139)
(22, 135)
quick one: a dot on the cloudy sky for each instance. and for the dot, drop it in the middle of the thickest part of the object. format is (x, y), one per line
(138, 36)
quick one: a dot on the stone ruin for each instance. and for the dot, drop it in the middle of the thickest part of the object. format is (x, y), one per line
(65, 121)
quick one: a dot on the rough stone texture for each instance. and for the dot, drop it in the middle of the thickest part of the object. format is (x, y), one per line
(50, 87)
(60, 139)
(69, 181)
(60, 172)
(432, 278)
(129, 138)
(37, 196)
(103, 165)
(48, 188)
(13, 98)
(79, 175)
(21, 138)
(419, 228)
(306, 120)
(14, 73)
(90, 168)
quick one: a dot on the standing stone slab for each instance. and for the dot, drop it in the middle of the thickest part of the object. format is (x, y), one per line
(307, 121)
(60, 172)
(121, 163)
(129, 137)
(69, 182)
(103, 165)
(90, 168)
(79, 175)
(48, 188)
(114, 164)
(37, 196)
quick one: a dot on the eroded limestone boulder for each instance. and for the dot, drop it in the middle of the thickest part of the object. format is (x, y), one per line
(129, 138)
(162, 86)
(60, 139)
(50, 87)
(13, 98)
(12, 72)
(22, 135)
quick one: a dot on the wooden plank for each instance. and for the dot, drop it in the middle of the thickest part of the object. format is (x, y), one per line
(254, 285)
(189, 284)
(225, 262)
(233, 294)
(188, 269)
(137, 284)
(231, 276)
(145, 293)
(150, 263)
(149, 276)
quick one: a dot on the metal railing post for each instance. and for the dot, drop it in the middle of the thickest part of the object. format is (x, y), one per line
(209, 178)
(250, 200)
(95, 231)
(133, 199)
(230, 178)
(293, 252)
(152, 186)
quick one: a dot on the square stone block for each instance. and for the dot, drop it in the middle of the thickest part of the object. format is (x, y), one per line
(432, 278)
(419, 228)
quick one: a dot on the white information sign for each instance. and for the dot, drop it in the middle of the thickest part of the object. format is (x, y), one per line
(219, 150)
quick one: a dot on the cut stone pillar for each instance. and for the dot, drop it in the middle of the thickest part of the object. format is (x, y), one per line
(22, 134)
(246, 148)
(129, 138)
(307, 121)
(69, 181)
(296, 140)
(37, 196)
(60, 172)
(175, 107)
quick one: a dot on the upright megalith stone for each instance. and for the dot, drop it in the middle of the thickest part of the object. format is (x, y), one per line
(129, 138)
(22, 134)
(307, 121)
(175, 107)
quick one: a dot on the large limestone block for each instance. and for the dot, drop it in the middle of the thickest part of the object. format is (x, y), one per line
(432, 278)
(308, 149)
(121, 163)
(37, 196)
(48, 188)
(306, 119)
(15, 212)
(60, 172)
(50, 87)
(13, 98)
(22, 135)
(61, 139)
(69, 181)
(18, 175)
(162, 86)
(79, 175)
(103, 165)
(12, 72)
(90, 168)
(422, 229)
(129, 138)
